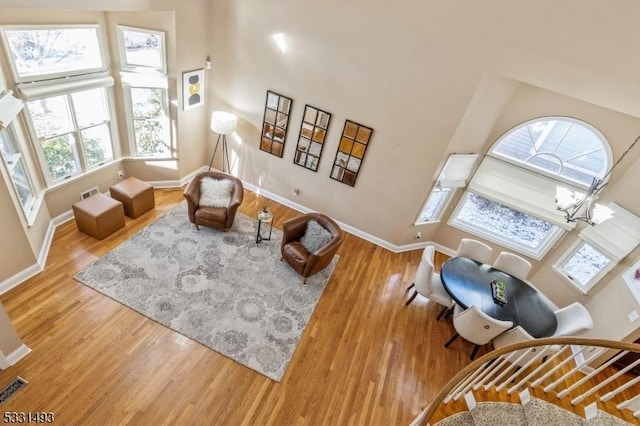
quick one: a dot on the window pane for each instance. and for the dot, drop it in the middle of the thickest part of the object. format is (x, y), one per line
(434, 204)
(496, 219)
(558, 146)
(151, 137)
(143, 48)
(54, 50)
(585, 264)
(147, 103)
(97, 144)
(50, 116)
(90, 107)
(15, 166)
(61, 156)
(22, 184)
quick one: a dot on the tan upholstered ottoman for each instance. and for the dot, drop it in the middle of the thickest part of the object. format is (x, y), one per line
(99, 215)
(136, 195)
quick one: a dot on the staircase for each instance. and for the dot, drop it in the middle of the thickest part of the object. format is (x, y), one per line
(555, 381)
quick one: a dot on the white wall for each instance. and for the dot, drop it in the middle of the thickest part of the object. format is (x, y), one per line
(431, 78)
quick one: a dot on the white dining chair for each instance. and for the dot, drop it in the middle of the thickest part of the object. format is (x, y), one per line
(513, 264)
(516, 335)
(573, 319)
(477, 327)
(428, 284)
(474, 249)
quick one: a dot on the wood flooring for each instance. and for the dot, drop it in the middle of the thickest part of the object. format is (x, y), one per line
(364, 357)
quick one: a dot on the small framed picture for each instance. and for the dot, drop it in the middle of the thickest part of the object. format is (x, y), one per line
(632, 278)
(192, 89)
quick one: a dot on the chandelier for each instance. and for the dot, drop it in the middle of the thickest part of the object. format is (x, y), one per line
(578, 205)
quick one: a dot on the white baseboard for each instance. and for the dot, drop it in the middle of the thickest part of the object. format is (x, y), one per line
(17, 279)
(18, 354)
(32, 270)
(348, 228)
(46, 244)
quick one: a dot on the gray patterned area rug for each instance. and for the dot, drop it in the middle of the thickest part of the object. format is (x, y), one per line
(220, 289)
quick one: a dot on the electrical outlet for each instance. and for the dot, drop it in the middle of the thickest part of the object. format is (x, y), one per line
(120, 174)
(633, 315)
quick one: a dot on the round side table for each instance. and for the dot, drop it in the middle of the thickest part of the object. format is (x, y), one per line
(265, 226)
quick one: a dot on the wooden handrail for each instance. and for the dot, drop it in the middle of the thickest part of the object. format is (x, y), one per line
(582, 341)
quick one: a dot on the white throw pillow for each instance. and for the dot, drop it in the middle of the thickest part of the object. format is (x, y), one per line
(315, 237)
(215, 192)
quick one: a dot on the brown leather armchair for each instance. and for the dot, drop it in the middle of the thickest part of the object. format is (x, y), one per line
(296, 255)
(213, 217)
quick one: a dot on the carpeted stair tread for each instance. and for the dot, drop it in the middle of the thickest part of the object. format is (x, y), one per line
(459, 419)
(605, 419)
(498, 413)
(542, 413)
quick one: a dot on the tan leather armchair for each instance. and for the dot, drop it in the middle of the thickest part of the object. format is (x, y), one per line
(296, 255)
(213, 217)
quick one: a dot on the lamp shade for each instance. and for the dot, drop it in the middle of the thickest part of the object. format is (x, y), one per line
(223, 122)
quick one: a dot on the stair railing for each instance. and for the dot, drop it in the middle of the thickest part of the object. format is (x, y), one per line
(532, 363)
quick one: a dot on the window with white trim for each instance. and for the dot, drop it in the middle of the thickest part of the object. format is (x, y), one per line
(17, 169)
(511, 198)
(599, 249)
(73, 131)
(584, 265)
(45, 52)
(69, 108)
(147, 110)
(145, 85)
(564, 148)
(434, 205)
(141, 50)
(453, 175)
(504, 225)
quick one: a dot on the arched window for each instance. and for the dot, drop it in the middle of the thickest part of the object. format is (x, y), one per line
(563, 148)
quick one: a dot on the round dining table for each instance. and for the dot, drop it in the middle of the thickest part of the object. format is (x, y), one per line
(469, 283)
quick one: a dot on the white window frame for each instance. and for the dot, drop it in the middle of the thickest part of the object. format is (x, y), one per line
(437, 212)
(454, 174)
(557, 177)
(125, 66)
(538, 254)
(142, 81)
(40, 77)
(29, 210)
(83, 167)
(581, 288)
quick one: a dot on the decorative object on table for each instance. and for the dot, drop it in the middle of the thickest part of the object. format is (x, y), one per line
(313, 132)
(221, 290)
(309, 242)
(353, 145)
(581, 206)
(275, 123)
(265, 225)
(499, 292)
(213, 212)
(192, 89)
(223, 123)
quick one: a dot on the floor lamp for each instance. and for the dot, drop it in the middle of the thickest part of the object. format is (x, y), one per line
(223, 123)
